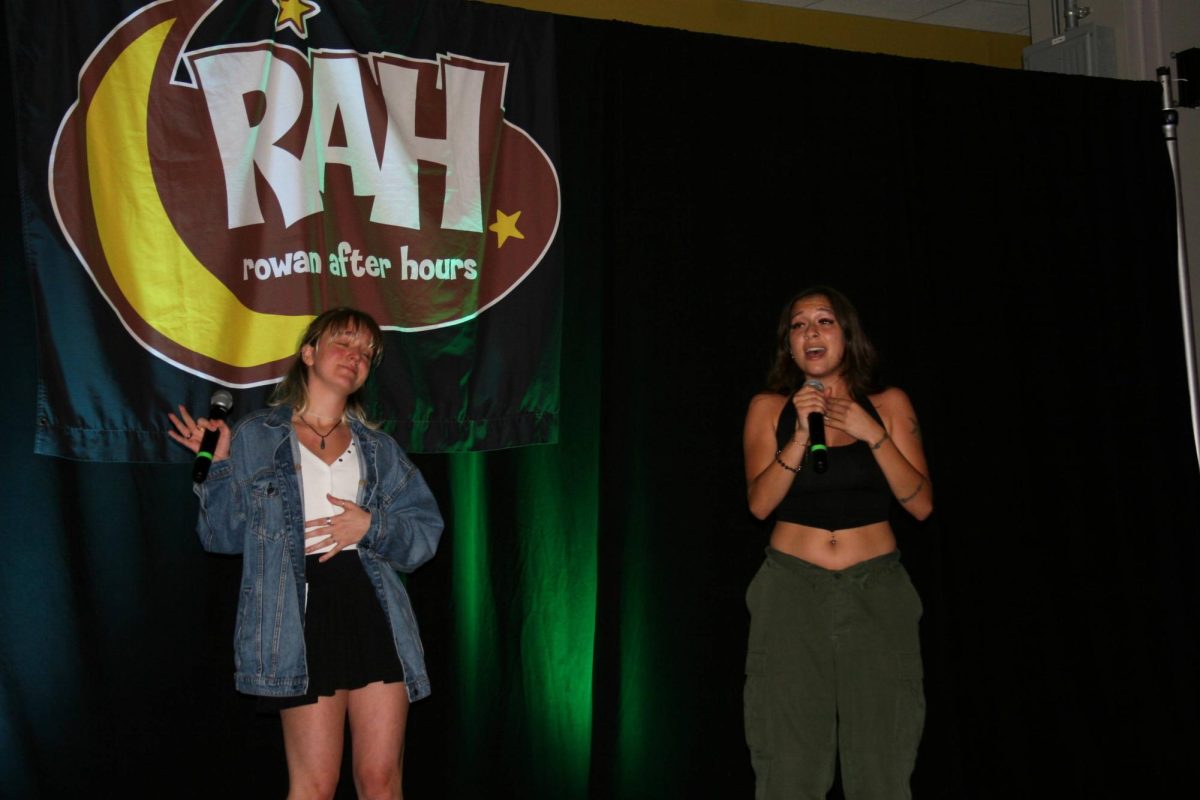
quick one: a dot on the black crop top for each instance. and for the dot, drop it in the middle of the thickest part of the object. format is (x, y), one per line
(852, 492)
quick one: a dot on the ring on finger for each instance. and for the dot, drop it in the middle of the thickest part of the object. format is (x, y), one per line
(328, 521)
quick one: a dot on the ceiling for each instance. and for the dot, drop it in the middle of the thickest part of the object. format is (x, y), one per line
(994, 16)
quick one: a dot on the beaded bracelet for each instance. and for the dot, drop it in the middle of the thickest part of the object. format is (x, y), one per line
(882, 439)
(779, 461)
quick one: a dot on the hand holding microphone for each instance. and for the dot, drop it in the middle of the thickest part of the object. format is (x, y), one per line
(222, 402)
(198, 437)
(818, 453)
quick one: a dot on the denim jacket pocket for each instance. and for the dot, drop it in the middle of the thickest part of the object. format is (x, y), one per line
(268, 515)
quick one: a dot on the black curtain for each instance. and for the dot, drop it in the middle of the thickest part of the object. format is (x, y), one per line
(1009, 240)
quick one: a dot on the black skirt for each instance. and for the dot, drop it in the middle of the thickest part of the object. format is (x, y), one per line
(347, 639)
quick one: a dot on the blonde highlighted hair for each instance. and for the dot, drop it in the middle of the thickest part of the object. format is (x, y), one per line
(293, 389)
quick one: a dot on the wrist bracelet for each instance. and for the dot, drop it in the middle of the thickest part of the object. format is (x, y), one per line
(882, 439)
(779, 461)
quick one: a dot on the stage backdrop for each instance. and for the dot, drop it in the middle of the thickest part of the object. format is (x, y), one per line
(1008, 238)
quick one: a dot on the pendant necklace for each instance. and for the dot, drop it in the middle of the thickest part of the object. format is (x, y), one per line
(317, 432)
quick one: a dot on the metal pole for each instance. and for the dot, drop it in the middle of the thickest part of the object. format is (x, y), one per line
(1170, 120)
(1076, 12)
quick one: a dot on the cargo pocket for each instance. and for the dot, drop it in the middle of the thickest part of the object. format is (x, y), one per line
(910, 702)
(755, 711)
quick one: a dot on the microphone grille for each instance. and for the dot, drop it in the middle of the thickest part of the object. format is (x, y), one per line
(816, 384)
(222, 399)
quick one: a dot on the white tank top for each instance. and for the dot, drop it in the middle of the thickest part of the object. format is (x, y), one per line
(317, 478)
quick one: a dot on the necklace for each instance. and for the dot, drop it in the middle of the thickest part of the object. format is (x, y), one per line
(317, 432)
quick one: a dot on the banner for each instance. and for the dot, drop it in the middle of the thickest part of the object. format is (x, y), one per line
(205, 177)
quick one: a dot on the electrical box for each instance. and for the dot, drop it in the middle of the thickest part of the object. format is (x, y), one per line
(1086, 50)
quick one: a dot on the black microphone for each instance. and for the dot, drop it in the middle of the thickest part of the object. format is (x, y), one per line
(219, 406)
(817, 451)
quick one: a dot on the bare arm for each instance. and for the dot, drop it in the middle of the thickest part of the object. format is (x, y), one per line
(897, 446)
(770, 470)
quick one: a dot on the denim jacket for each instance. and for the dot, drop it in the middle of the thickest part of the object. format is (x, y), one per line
(251, 504)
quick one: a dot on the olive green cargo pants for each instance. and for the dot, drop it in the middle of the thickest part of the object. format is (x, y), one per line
(833, 667)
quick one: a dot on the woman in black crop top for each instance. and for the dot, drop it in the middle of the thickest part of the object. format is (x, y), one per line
(833, 668)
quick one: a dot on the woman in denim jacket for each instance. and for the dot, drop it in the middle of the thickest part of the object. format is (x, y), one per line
(321, 637)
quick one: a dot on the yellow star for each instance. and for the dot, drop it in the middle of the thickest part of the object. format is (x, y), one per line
(294, 13)
(505, 226)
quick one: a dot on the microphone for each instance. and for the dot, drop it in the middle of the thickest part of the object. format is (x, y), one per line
(817, 450)
(219, 406)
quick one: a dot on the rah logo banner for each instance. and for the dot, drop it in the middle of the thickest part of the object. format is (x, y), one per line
(227, 170)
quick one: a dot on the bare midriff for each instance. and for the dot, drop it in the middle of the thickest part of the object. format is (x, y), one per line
(833, 549)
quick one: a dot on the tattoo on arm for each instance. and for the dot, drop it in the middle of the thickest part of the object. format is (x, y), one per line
(916, 492)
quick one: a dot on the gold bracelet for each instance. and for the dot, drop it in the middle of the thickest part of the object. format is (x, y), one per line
(779, 461)
(882, 439)
(916, 492)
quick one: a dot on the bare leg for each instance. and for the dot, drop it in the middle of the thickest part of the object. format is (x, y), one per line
(378, 714)
(313, 740)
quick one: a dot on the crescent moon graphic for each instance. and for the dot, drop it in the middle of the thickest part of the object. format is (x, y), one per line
(157, 273)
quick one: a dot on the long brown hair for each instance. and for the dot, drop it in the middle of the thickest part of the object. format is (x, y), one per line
(293, 389)
(858, 362)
